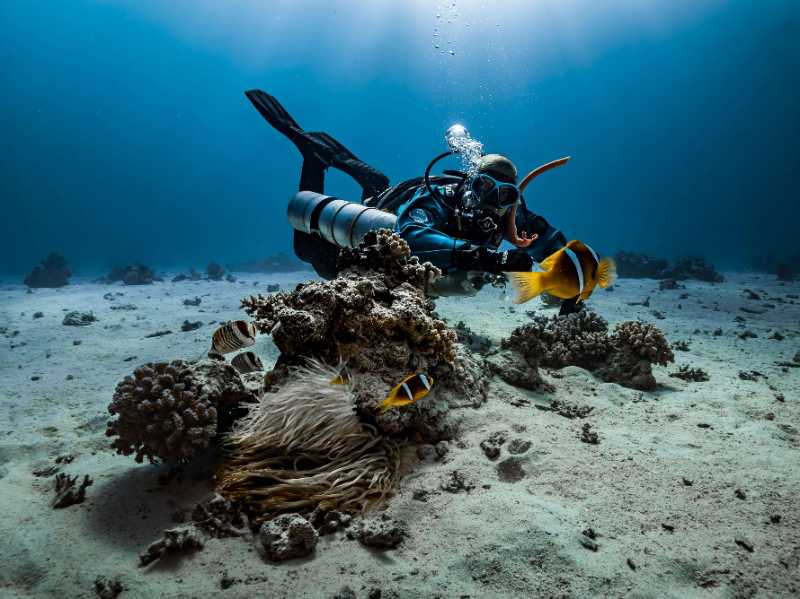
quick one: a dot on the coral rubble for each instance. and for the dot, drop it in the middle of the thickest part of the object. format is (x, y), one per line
(174, 540)
(380, 533)
(288, 536)
(68, 491)
(582, 339)
(52, 272)
(219, 517)
(78, 319)
(172, 410)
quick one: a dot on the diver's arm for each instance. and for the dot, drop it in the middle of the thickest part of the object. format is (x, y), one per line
(417, 224)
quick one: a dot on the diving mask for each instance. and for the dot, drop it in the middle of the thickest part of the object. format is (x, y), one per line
(493, 193)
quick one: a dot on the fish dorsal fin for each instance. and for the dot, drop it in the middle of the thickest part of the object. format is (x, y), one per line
(548, 262)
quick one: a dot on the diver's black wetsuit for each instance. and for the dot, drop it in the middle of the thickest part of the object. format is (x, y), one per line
(435, 226)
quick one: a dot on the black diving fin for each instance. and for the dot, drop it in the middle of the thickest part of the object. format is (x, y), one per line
(319, 150)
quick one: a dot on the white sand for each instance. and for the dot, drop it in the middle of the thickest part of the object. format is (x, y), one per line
(502, 539)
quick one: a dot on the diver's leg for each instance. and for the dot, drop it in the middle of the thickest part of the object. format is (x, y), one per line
(319, 150)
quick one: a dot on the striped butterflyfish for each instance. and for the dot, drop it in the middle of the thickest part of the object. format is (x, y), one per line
(233, 336)
(410, 389)
(247, 362)
(572, 271)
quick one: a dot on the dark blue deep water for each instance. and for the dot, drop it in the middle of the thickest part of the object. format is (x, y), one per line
(125, 134)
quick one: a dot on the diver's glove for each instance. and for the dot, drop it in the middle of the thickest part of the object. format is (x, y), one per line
(491, 261)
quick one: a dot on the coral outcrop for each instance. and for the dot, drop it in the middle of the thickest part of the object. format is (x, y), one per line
(214, 271)
(174, 540)
(639, 266)
(625, 357)
(132, 274)
(52, 272)
(691, 267)
(78, 319)
(375, 318)
(171, 410)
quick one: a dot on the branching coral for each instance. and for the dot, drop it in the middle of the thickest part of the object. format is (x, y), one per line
(305, 446)
(172, 410)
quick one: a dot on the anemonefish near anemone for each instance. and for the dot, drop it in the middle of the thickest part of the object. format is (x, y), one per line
(574, 270)
(409, 390)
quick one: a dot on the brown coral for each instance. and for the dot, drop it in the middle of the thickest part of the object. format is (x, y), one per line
(374, 315)
(387, 253)
(582, 339)
(643, 340)
(172, 410)
(574, 340)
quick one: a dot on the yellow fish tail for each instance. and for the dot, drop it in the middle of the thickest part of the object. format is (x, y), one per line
(526, 285)
(606, 272)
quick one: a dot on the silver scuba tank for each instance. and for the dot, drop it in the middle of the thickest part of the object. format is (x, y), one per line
(338, 221)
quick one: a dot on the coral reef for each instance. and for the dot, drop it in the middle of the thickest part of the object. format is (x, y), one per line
(174, 540)
(52, 272)
(78, 319)
(170, 411)
(107, 588)
(68, 492)
(639, 266)
(304, 445)
(214, 271)
(691, 267)
(288, 536)
(582, 339)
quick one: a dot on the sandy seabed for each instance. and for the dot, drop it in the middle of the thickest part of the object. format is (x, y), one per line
(692, 491)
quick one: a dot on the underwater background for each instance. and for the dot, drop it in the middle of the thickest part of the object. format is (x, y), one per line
(127, 137)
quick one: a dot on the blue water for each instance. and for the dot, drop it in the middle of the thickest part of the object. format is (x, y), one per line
(126, 135)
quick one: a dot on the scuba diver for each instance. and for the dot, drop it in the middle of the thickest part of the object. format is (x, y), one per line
(457, 221)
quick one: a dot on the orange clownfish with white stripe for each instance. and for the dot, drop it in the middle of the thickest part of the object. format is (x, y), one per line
(411, 389)
(574, 270)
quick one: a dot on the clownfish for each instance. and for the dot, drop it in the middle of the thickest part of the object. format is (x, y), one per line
(409, 390)
(233, 336)
(574, 270)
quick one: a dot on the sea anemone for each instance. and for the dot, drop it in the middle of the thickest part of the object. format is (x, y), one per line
(304, 446)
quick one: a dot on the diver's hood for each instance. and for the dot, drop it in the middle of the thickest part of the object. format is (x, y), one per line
(499, 167)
